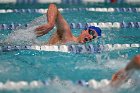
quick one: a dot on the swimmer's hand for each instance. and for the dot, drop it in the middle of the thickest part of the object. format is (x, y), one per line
(119, 78)
(44, 29)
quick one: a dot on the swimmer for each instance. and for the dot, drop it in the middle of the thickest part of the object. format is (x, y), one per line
(124, 74)
(63, 33)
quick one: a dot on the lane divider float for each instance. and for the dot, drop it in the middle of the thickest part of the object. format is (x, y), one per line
(42, 11)
(106, 25)
(92, 83)
(90, 48)
(11, 85)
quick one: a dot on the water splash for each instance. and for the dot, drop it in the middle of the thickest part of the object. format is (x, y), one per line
(64, 86)
(25, 35)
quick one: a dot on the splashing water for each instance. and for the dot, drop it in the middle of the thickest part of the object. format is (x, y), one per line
(25, 35)
(64, 86)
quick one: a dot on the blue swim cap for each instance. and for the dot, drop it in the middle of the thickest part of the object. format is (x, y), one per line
(97, 29)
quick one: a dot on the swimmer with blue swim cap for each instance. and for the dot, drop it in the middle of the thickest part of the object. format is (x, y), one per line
(93, 28)
(63, 33)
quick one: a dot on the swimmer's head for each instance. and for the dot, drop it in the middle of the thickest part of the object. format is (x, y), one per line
(136, 61)
(91, 30)
(89, 33)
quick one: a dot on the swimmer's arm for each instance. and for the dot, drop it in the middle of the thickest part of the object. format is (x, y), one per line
(51, 17)
(42, 30)
(123, 75)
(119, 78)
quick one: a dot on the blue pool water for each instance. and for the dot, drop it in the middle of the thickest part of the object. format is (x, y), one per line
(65, 69)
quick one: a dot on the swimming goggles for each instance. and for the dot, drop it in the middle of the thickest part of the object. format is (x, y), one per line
(92, 32)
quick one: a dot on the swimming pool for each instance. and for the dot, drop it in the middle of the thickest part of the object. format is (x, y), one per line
(59, 71)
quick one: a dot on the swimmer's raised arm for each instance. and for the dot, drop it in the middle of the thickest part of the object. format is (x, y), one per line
(51, 17)
(124, 74)
(63, 33)
(54, 17)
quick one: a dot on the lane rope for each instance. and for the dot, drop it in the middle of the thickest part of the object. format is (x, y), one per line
(42, 11)
(92, 83)
(67, 1)
(71, 48)
(107, 25)
(11, 85)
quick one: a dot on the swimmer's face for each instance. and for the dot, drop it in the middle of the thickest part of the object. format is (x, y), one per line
(87, 35)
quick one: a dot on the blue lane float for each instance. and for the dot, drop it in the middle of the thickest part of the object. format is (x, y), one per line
(42, 11)
(108, 25)
(71, 48)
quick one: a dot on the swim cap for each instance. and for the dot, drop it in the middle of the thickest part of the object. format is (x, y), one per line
(97, 29)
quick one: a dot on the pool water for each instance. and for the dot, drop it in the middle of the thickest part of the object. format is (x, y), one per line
(65, 69)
